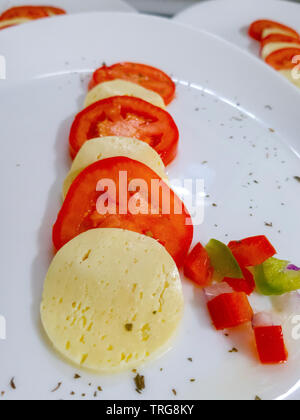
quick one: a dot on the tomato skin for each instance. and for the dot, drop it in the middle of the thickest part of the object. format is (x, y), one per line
(230, 310)
(246, 285)
(53, 11)
(144, 75)
(79, 211)
(30, 12)
(252, 251)
(197, 266)
(117, 112)
(256, 28)
(270, 345)
(282, 59)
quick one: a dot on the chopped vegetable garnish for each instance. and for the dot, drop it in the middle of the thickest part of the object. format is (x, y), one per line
(246, 284)
(230, 310)
(216, 290)
(252, 251)
(222, 260)
(270, 344)
(197, 266)
(277, 277)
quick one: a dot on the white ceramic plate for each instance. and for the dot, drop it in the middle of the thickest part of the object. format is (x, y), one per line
(73, 6)
(230, 19)
(224, 118)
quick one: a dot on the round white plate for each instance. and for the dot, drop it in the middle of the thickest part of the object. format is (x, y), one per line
(224, 120)
(230, 19)
(73, 6)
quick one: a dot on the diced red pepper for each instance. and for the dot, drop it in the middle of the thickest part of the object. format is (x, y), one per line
(270, 345)
(247, 284)
(252, 251)
(197, 266)
(230, 310)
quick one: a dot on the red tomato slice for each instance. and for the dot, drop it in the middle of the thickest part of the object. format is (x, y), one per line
(53, 11)
(283, 59)
(30, 12)
(230, 310)
(252, 251)
(146, 76)
(129, 117)
(9, 26)
(257, 28)
(279, 38)
(270, 345)
(246, 285)
(80, 211)
(197, 266)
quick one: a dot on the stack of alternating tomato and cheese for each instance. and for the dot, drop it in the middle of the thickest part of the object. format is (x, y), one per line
(24, 14)
(280, 47)
(113, 296)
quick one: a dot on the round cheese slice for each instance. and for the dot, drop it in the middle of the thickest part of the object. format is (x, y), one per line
(275, 30)
(13, 22)
(274, 46)
(108, 147)
(288, 74)
(122, 88)
(112, 300)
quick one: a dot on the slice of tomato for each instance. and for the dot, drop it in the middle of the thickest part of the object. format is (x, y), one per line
(283, 59)
(80, 211)
(53, 11)
(256, 29)
(126, 117)
(279, 38)
(246, 284)
(146, 76)
(30, 12)
(197, 266)
(252, 251)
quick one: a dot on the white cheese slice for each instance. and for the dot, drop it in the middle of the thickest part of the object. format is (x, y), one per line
(108, 147)
(122, 88)
(274, 46)
(112, 300)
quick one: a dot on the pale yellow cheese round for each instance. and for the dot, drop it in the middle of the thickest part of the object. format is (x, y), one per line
(122, 88)
(274, 46)
(16, 21)
(108, 147)
(288, 74)
(272, 31)
(112, 300)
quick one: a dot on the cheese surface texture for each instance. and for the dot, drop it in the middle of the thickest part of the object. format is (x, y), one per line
(112, 300)
(12, 22)
(108, 147)
(274, 46)
(120, 87)
(272, 31)
(289, 75)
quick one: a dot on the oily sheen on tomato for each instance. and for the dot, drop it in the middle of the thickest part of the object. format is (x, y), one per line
(146, 76)
(89, 205)
(126, 116)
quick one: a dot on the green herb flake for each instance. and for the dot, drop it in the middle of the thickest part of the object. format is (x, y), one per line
(139, 381)
(128, 327)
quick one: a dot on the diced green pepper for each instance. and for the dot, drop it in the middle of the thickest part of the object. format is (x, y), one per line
(275, 278)
(222, 260)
